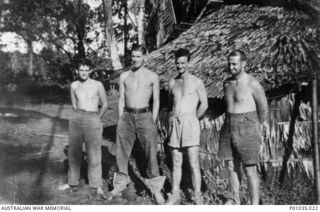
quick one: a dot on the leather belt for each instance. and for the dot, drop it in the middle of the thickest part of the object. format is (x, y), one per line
(137, 110)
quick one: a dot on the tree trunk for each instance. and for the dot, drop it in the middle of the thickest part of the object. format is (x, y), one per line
(140, 21)
(30, 56)
(160, 30)
(125, 32)
(81, 50)
(111, 40)
(81, 25)
(166, 20)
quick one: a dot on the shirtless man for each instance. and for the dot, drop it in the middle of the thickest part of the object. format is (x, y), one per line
(85, 126)
(137, 121)
(188, 96)
(240, 137)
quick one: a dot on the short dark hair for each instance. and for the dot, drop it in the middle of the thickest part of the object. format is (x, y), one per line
(182, 53)
(240, 53)
(84, 62)
(139, 48)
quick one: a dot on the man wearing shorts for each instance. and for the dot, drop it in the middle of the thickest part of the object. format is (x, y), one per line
(85, 126)
(138, 121)
(240, 137)
(188, 98)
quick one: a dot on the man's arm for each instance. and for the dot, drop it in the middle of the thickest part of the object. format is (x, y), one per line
(156, 97)
(170, 96)
(203, 99)
(121, 95)
(73, 96)
(260, 100)
(103, 99)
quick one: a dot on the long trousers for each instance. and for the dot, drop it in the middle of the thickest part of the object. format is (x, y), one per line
(133, 126)
(85, 127)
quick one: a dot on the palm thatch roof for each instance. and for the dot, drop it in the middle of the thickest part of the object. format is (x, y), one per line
(282, 45)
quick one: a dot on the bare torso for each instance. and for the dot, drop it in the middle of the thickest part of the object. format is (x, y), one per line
(138, 88)
(239, 95)
(185, 95)
(86, 95)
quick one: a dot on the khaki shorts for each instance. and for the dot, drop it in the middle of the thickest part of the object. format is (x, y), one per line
(240, 138)
(184, 130)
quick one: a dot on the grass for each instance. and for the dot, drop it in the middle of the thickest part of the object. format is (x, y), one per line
(297, 188)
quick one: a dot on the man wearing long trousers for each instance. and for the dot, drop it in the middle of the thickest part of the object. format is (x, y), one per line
(85, 127)
(137, 121)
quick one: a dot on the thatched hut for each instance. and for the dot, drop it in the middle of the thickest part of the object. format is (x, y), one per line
(282, 46)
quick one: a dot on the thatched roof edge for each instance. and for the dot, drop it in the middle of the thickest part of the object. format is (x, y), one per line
(281, 44)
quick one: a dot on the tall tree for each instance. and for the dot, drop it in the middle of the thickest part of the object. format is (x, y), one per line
(159, 22)
(25, 19)
(166, 20)
(38, 21)
(110, 37)
(80, 29)
(141, 22)
(64, 24)
(73, 24)
(125, 32)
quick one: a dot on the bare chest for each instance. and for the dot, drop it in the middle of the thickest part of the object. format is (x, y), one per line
(184, 89)
(86, 93)
(133, 83)
(237, 93)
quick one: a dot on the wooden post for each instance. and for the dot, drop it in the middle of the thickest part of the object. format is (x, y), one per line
(315, 137)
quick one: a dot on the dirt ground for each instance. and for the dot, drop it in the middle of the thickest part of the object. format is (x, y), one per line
(33, 163)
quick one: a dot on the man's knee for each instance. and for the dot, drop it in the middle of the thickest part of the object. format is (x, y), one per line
(251, 171)
(231, 166)
(177, 160)
(195, 166)
(194, 161)
(94, 160)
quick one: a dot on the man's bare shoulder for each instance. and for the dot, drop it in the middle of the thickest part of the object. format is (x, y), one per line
(198, 81)
(253, 82)
(123, 75)
(151, 74)
(74, 84)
